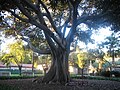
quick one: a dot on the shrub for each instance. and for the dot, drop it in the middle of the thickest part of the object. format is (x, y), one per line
(109, 73)
(105, 73)
(116, 73)
(16, 77)
(38, 72)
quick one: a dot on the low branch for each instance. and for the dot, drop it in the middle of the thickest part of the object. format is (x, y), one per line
(36, 49)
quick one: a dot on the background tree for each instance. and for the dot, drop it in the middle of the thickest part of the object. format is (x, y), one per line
(111, 43)
(82, 58)
(101, 60)
(76, 59)
(6, 59)
(99, 54)
(68, 17)
(15, 55)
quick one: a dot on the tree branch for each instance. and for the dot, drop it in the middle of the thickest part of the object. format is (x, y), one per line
(23, 10)
(32, 6)
(84, 19)
(74, 25)
(67, 21)
(74, 2)
(36, 49)
(41, 26)
(17, 16)
(50, 18)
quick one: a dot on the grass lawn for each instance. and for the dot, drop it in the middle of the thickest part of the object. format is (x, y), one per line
(17, 76)
(96, 77)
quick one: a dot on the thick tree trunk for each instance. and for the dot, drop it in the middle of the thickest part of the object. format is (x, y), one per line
(58, 72)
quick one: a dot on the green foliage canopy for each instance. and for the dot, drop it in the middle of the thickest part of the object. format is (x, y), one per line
(16, 53)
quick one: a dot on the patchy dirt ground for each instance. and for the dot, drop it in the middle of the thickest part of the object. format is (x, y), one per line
(76, 84)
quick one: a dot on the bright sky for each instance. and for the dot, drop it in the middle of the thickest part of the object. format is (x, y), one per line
(102, 34)
(5, 42)
(98, 37)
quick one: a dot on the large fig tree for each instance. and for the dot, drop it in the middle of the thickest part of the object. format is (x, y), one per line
(60, 21)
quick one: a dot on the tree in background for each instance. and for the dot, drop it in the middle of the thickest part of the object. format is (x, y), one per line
(15, 55)
(101, 60)
(82, 58)
(111, 43)
(99, 55)
(61, 26)
(6, 59)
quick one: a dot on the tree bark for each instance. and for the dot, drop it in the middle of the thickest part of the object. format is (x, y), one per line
(58, 72)
(113, 59)
(20, 69)
(82, 73)
(79, 70)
